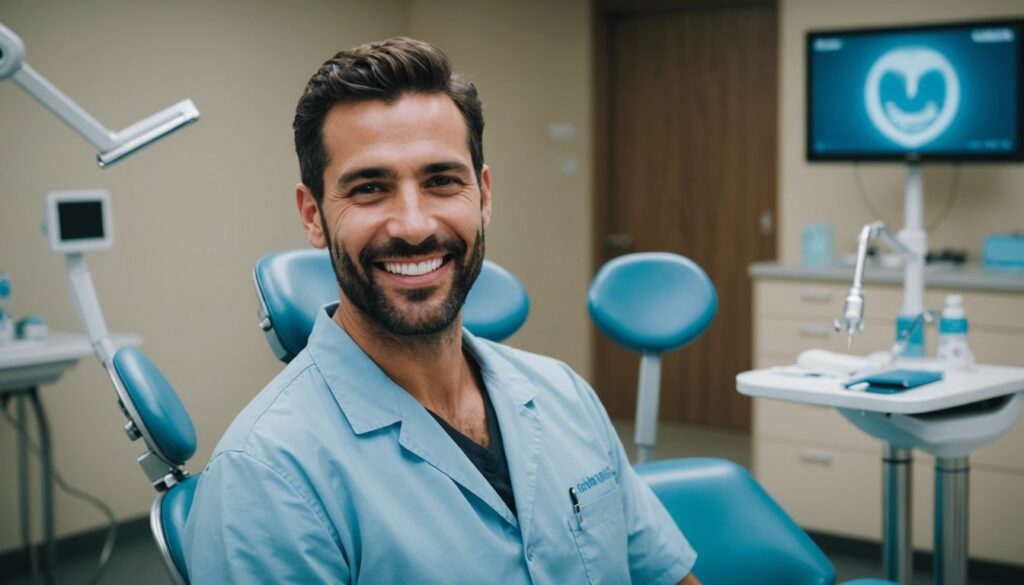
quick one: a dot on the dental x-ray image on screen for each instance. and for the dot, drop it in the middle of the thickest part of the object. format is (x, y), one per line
(940, 92)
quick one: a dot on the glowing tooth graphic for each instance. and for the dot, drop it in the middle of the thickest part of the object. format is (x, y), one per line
(911, 129)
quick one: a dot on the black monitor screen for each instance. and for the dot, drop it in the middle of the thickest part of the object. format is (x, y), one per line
(944, 92)
(80, 220)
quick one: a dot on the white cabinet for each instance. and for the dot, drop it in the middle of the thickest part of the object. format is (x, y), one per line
(825, 472)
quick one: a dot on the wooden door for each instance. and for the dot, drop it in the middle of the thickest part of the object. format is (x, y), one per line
(686, 163)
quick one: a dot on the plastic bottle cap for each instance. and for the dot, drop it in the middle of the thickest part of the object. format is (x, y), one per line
(954, 318)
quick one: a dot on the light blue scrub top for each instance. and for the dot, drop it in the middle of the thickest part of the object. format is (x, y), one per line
(334, 474)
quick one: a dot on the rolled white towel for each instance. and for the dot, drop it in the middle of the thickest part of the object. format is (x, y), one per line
(843, 363)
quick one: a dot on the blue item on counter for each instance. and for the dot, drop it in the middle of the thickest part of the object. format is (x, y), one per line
(817, 244)
(893, 381)
(1003, 252)
(31, 328)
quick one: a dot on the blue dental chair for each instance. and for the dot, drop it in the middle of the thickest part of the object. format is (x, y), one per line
(653, 303)
(293, 285)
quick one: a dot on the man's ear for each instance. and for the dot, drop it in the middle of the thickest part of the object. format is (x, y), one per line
(485, 195)
(309, 214)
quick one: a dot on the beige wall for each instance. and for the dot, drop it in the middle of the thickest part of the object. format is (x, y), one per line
(530, 60)
(194, 212)
(991, 199)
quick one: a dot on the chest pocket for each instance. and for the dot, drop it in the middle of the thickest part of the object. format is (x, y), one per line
(600, 534)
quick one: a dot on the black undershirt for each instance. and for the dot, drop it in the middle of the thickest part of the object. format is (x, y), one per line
(490, 461)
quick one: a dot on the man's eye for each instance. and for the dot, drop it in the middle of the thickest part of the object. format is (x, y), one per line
(367, 189)
(443, 181)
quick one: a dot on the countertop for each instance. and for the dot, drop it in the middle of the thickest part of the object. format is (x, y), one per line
(972, 277)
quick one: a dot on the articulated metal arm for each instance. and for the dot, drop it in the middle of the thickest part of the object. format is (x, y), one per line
(853, 308)
(112, 146)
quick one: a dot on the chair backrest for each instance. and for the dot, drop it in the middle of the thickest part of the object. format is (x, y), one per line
(652, 301)
(741, 534)
(293, 285)
(156, 415)
(155, 412)
(167, 520)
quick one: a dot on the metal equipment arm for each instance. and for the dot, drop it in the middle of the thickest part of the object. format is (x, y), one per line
(853, 308)
(112, 146)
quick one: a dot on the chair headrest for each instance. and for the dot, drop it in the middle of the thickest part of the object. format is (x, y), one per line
(497, 305)
(652, 301)
(158, 412)
(293, 285)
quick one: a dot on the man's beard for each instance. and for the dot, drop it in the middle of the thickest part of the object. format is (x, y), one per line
(420, 317)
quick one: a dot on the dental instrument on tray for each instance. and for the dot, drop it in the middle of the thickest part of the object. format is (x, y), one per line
(853, 308)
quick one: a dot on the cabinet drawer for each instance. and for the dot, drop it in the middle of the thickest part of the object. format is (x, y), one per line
(823, 489)
(823, 426)
(824, 300)
(821, 300)
(1005, 348)
(990, 309)
(786, 338)
(808, 423)
(839, 491)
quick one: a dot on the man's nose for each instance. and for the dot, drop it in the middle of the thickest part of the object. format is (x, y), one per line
(412, 219)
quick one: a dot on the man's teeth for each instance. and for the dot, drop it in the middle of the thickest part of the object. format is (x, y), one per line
(413, 268)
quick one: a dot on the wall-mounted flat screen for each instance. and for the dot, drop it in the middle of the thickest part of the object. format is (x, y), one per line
(939, 92)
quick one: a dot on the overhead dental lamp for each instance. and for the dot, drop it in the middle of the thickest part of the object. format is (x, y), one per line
(112, 146)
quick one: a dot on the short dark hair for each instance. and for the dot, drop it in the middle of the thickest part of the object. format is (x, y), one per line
(384, 71)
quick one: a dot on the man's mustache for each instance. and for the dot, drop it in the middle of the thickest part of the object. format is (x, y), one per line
(399, 248)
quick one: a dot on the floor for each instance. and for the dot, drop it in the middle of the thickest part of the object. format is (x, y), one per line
(136, 559)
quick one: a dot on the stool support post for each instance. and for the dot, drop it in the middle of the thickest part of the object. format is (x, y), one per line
(897, 542)
(648, 391)
(46, 457)
(951, 521)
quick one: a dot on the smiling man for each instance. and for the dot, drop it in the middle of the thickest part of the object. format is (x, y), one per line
(397, 447)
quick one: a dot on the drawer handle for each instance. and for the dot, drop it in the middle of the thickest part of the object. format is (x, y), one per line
(815, 295)
(815, 330)
(816, 457)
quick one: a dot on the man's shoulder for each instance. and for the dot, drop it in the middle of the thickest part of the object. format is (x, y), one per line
(281, 409)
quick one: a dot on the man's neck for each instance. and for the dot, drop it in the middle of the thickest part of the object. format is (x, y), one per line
(432, 368)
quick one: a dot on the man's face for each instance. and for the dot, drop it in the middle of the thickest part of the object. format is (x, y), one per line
(403, 214)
